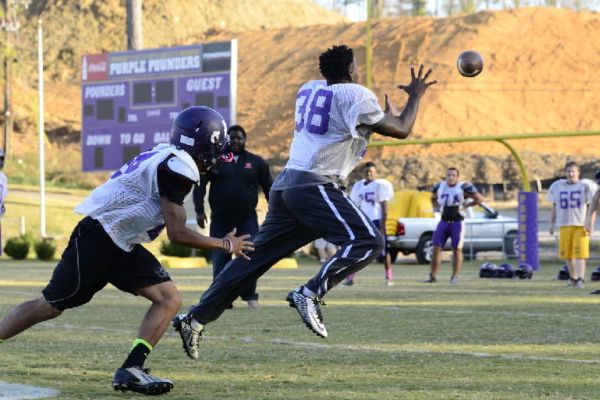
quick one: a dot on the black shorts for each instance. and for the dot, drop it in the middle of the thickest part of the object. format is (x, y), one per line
(91, 260)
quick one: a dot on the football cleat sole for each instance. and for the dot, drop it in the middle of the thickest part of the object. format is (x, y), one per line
(151, 390)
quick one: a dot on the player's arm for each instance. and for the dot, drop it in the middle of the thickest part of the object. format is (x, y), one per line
(354, 193)
(476, 199)
(265, 179)
(398, 124)
(384, 213)
(173, 185)
(198, 196)
(178, 233)
(434, 197)
(552, 219)
(434, 201)
(590, 215)
(471, 193)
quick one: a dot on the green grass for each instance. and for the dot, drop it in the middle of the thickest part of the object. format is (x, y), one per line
(24, 201)
(482, 339)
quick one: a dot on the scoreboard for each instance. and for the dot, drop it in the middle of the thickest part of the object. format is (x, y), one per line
(129, 99)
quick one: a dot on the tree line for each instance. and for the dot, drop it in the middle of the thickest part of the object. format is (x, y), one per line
(444, 8)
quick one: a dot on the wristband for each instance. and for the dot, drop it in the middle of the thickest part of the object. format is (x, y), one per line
(228, 245)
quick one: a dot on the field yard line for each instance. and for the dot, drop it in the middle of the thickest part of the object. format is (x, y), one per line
(16, 391)
(470, 312)
(19, 292)
(517, 357)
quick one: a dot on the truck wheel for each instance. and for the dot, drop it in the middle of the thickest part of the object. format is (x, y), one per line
(424, 251)
(511, 245)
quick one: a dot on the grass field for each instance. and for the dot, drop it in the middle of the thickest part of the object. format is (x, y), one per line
(482, 339)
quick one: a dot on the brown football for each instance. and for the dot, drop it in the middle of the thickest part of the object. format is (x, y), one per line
(469, 63)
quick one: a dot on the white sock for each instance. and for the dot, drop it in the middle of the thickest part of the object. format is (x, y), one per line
(197, 326)
(580, 269)
(307, 292)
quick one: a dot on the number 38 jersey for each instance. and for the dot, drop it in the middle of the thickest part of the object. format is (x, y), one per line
(330, 136)
(571, 200)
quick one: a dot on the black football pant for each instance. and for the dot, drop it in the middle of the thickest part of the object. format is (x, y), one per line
(296, 217)
(219, 258)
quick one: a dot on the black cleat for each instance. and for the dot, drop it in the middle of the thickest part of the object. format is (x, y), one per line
(139, 380)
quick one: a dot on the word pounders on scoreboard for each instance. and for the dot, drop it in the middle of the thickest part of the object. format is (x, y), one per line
(129, 99)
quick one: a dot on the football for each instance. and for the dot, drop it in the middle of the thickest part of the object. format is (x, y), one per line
(469, 63)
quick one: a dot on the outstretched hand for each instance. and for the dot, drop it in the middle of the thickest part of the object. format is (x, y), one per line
(418, 84)
(240, 244)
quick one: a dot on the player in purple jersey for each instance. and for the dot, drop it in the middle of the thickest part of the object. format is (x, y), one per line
(450, 196)
(334, 119)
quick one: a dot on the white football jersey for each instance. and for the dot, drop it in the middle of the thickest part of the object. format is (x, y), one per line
(571, 200)
(128, 204)
(452, 196)
(330, 135)
(3, 191)
(369, 195)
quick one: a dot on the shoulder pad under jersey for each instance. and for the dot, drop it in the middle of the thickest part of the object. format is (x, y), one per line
(178, 166)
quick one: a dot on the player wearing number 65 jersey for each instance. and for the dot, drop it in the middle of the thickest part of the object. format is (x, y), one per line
(570, 198)
(132, 207)
(334, 119)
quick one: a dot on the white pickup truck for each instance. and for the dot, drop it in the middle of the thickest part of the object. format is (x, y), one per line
(485, 230)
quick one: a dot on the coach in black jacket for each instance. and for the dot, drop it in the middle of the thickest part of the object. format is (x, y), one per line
(233, 196)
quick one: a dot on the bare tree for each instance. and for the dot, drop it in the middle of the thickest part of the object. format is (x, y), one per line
(448, 6)
(135, 34)
(468, 6)
(419, 7)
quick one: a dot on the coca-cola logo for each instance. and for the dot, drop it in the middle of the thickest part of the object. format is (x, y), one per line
(97, 67)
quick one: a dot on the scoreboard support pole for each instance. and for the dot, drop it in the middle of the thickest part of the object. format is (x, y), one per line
(233, 83)
(41, 132)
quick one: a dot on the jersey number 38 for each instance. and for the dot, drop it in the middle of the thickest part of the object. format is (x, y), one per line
(313, 117)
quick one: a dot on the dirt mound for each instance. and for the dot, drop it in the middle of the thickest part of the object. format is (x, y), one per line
(538, 77)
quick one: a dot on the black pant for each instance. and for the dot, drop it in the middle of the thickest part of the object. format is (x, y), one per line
(296, 217)
(219, 228)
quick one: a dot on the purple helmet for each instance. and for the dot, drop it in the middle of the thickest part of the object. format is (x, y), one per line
(487, 270)
(563, 274)
(506, 271)
(596, 274)
(525, 271)
(202, 133)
